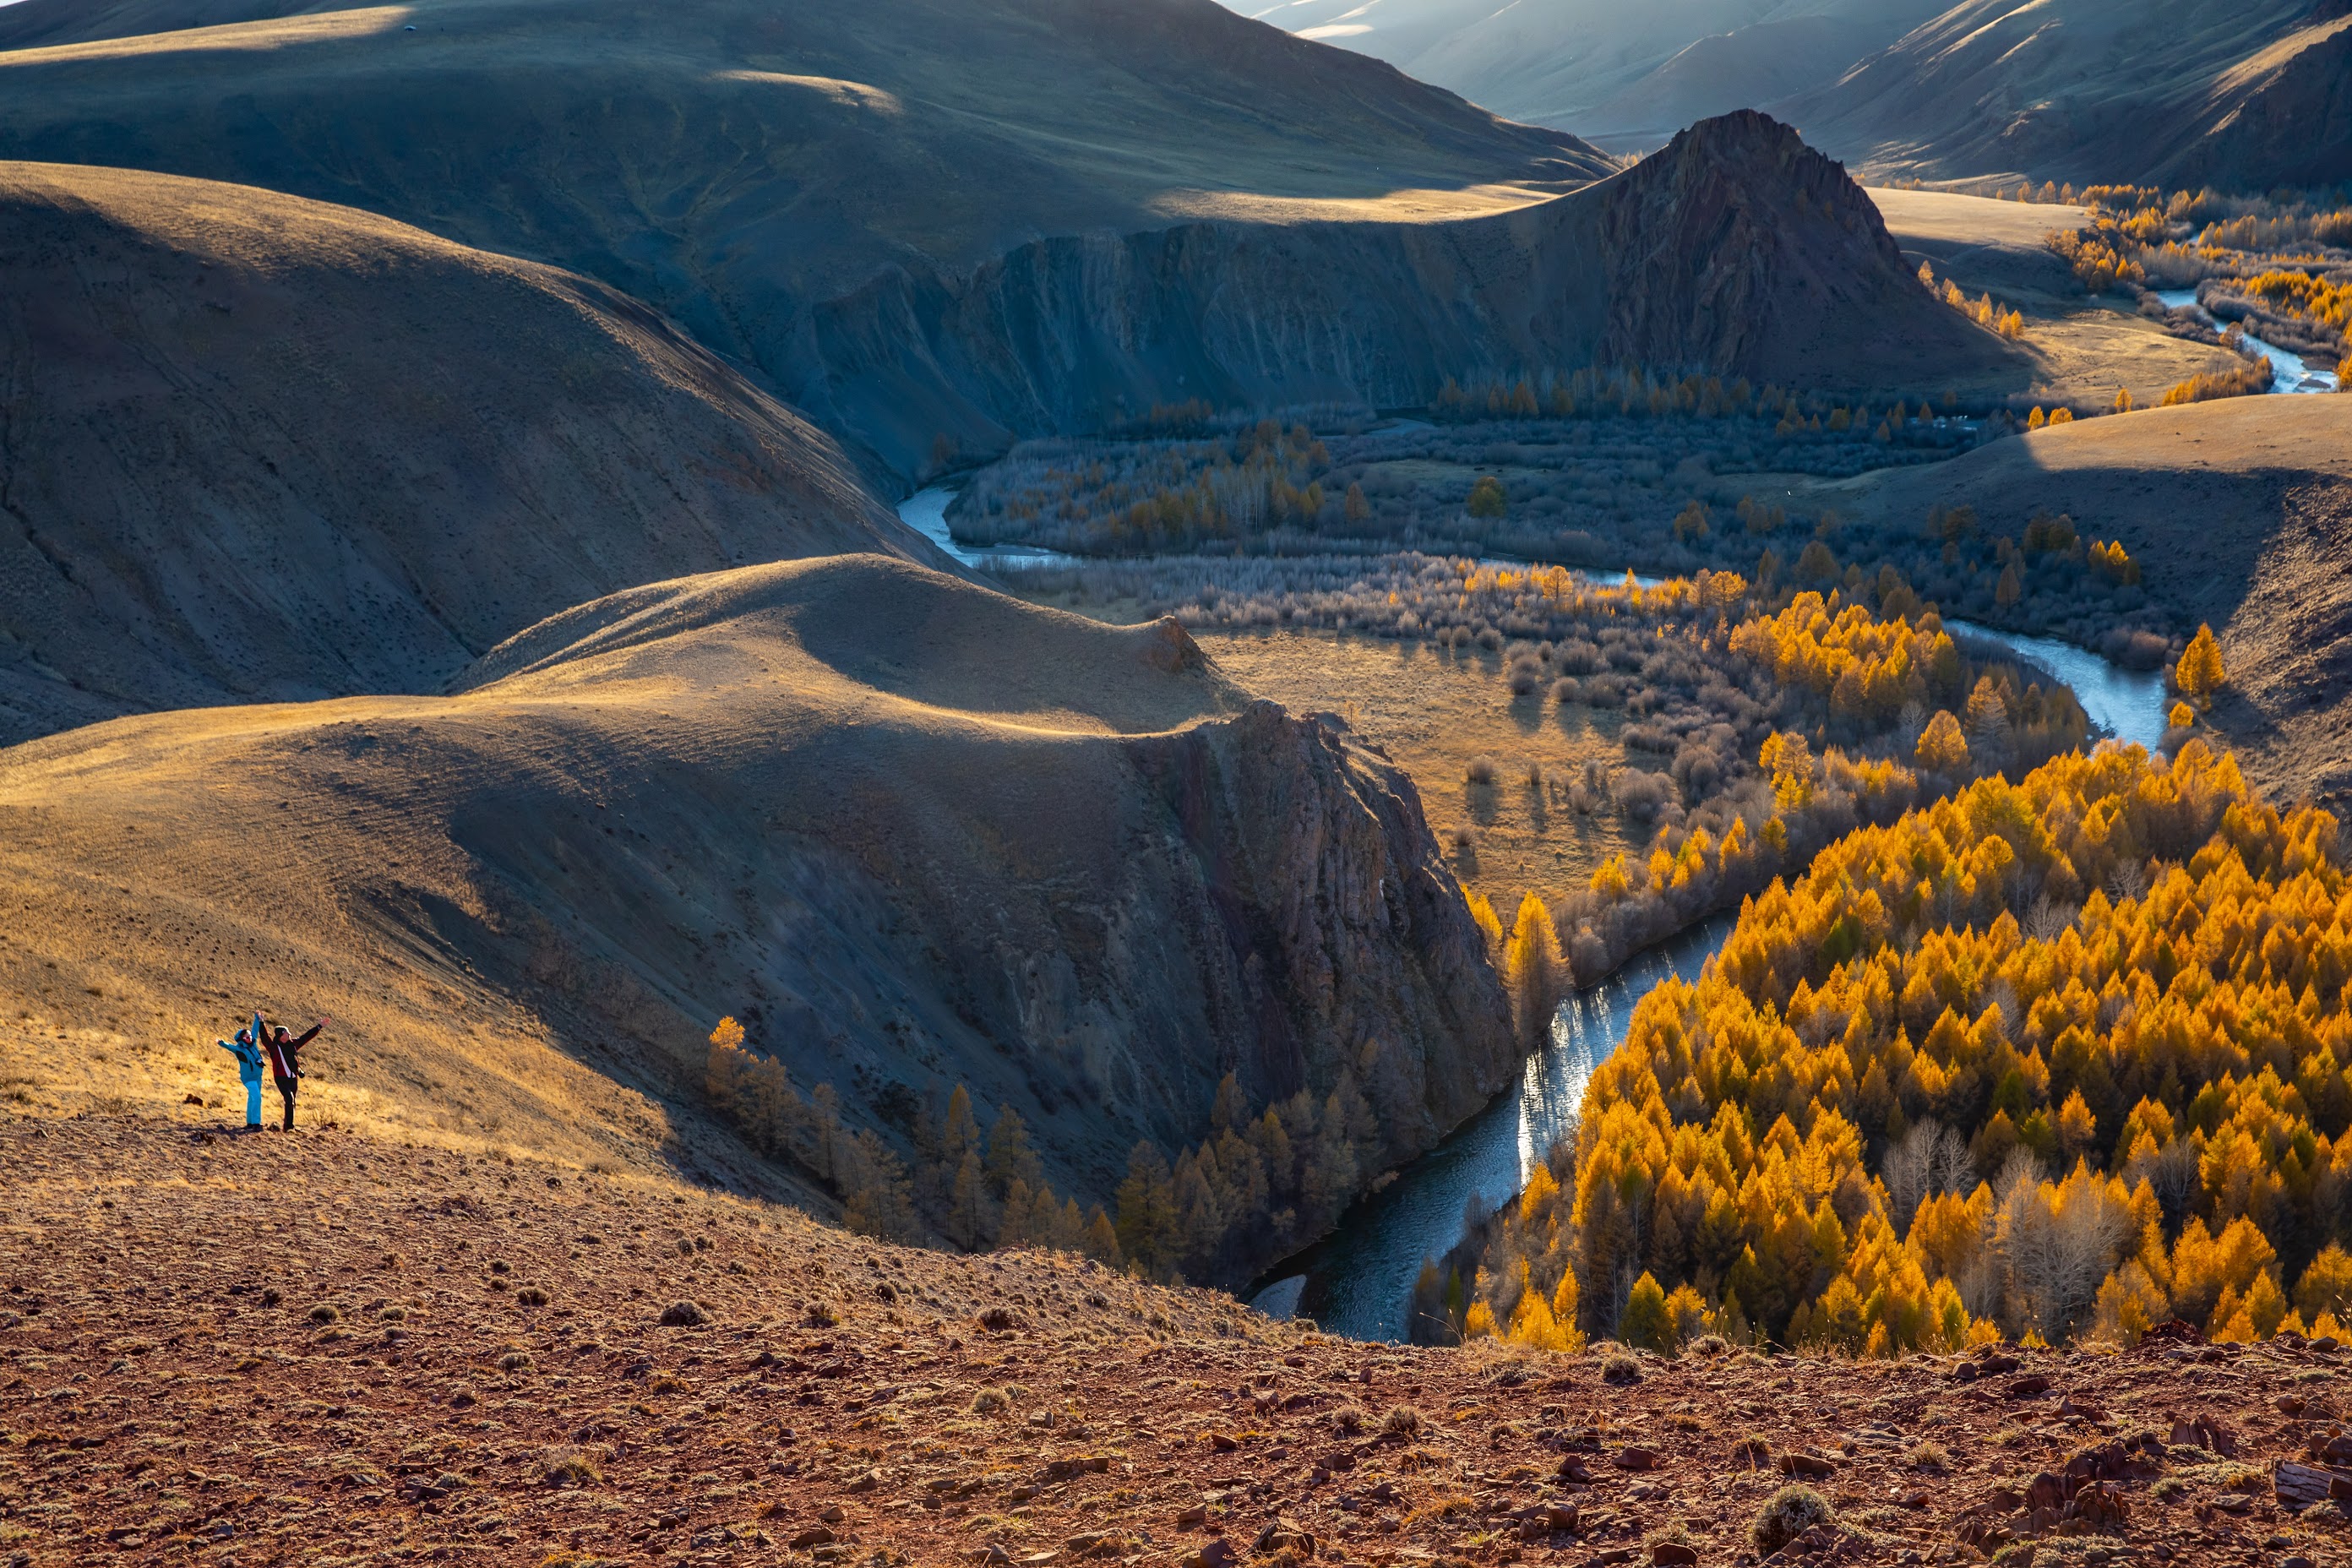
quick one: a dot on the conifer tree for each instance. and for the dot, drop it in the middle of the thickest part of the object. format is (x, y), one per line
(2200, 673)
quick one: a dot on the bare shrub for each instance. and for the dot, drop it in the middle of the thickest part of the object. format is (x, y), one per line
(1792, 1511)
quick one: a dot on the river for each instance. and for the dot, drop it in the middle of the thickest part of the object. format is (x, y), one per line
(2291, 373)
(1357, 1281)
(926, 512)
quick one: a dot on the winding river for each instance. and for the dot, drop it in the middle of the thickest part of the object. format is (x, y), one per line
(2290, 371)
(1359, 1280)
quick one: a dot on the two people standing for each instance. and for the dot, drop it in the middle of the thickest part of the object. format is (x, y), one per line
(259, 1045)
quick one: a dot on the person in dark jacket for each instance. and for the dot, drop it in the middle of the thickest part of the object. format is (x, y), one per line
(285, 1059)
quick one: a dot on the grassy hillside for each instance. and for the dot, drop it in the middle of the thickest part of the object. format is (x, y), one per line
(260, 447)
(912, 832)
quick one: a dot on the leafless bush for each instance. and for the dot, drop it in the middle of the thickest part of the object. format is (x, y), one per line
(1929, 1160)
(1642, 797)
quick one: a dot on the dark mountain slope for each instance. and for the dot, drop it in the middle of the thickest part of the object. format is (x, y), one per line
(739, 164)
(2247, 94)
(1736, 250)
(257, 447)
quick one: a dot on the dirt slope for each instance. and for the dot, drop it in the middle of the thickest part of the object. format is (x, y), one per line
(911, 831)
(2245, 94)
(738, 165)
(2240, 513)
(258, 448)
(168, 1389)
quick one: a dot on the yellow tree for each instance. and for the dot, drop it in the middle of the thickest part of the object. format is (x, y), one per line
(1531, 969)
(1942, 746)
(2200, 673)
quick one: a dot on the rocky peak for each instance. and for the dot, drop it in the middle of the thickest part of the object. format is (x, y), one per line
(1738, 248)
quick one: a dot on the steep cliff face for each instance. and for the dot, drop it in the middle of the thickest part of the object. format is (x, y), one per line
(912, 832)
(1737, 251)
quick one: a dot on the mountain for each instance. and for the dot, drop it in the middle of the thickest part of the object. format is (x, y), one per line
(1628, 76)
(2243, 94)
(757, 172)
(911, 831)
(258, 448)
(1736, 250)
(2240, 514)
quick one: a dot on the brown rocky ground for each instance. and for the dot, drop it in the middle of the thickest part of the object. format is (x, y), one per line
(323, 1349)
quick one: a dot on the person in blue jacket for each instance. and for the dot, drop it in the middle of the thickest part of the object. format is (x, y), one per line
(247, 1053)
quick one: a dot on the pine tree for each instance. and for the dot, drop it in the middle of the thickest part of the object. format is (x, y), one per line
(1101, 1238)
(970, 1219)
(1230, 1110)
(1942, 747)
(1644, 1324)
(1010, 1157)
(1533, 972)
(1147, 1210)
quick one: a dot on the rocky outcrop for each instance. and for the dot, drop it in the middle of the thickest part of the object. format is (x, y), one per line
(1738, 250)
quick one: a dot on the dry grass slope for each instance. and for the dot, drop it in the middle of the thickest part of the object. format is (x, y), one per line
(912, 831)
(262, 447)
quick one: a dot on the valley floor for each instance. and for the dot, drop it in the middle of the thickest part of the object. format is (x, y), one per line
(321, 1349)
(1436, 711)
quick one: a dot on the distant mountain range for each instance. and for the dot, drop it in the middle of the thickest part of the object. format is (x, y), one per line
(2245, 93)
